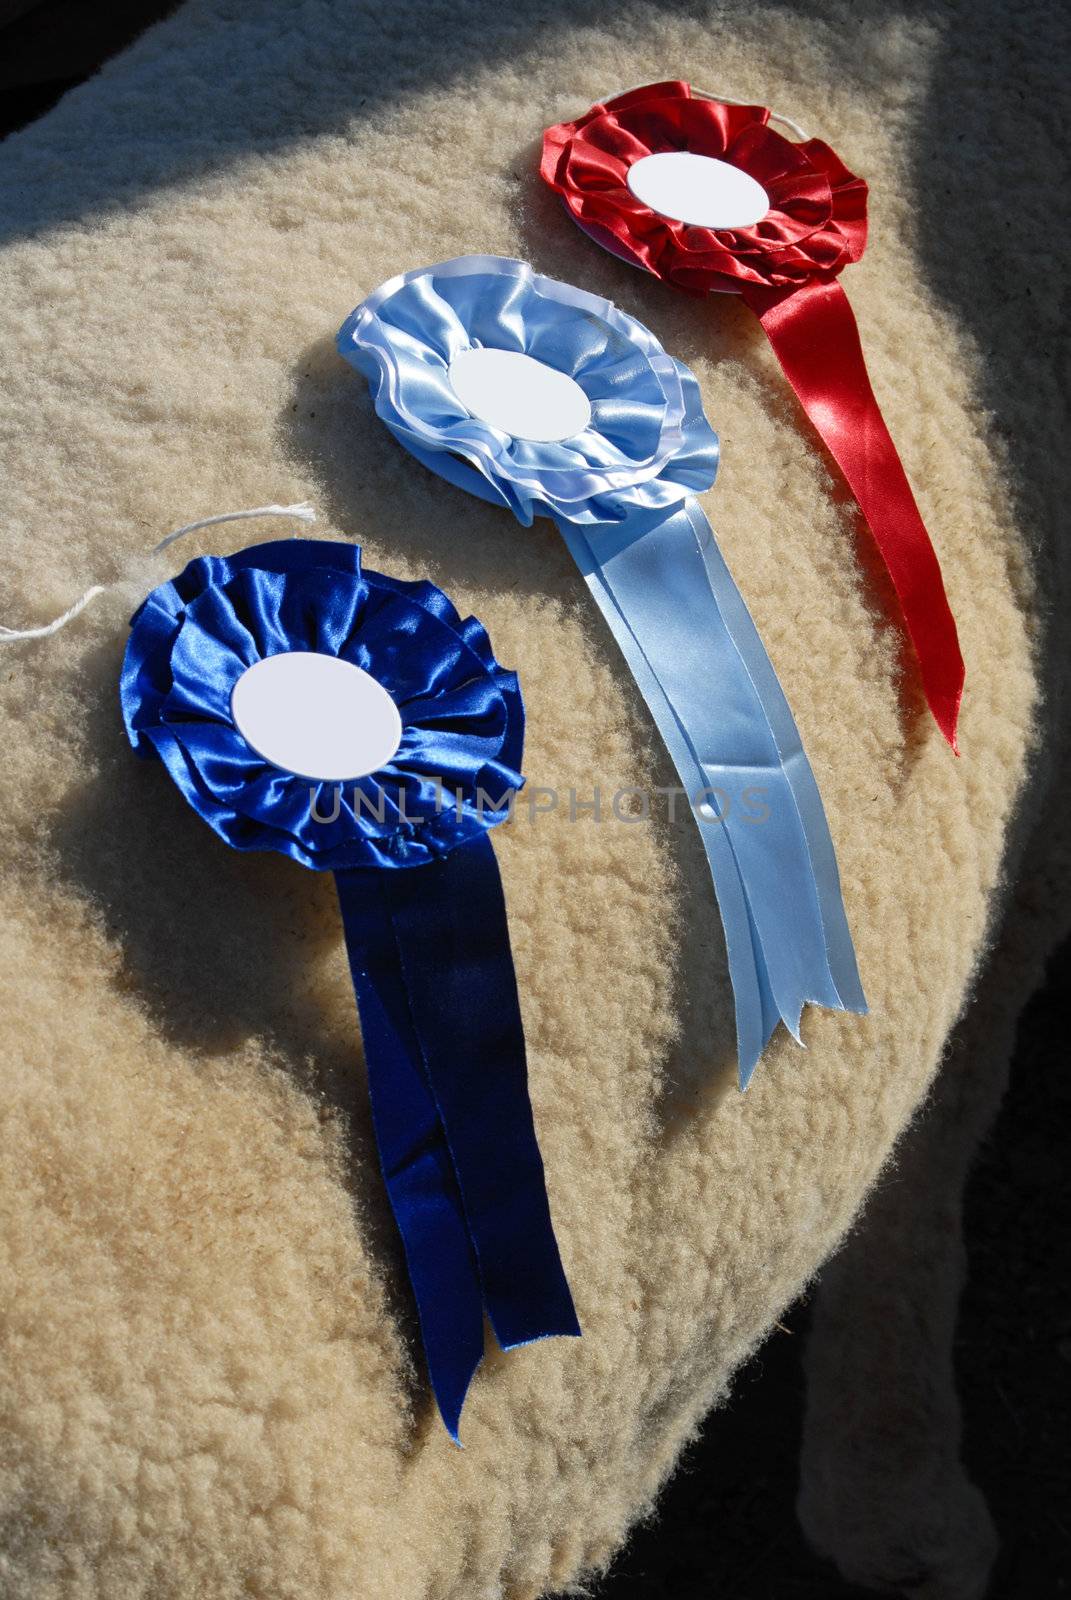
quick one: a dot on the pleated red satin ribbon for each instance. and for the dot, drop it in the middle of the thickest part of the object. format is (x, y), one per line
(814, 335)
(785, 266)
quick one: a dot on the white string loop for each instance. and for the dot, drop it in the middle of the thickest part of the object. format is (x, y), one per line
(46, 628)
(303, 512)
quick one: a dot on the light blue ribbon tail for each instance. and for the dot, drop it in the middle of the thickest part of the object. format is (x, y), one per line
(621, 492)
(680, 621)
(826, 874)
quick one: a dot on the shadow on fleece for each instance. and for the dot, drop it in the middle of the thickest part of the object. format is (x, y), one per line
(206, 1383)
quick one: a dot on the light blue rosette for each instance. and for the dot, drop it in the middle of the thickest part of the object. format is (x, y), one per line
(620, 486)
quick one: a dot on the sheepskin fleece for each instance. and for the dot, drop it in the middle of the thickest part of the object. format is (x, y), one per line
(209, 1380)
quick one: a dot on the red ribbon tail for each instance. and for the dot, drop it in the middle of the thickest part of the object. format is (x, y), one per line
(814, 336)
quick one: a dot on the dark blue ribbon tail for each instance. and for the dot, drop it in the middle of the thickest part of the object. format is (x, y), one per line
(454, 943)
(416, 1162)
(432, 969)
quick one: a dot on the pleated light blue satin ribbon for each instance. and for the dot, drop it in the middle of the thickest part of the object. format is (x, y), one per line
(419, 890)
(619, 492)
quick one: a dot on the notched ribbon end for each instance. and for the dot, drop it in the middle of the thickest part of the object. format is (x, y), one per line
(950, 729)
(451, 1418)
(572, 1331)
(450, 1410)
(745, 1071)
(548, 1313)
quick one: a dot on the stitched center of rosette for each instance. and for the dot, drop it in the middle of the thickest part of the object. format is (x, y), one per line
(316, 716)
(698, 189)
(520, 395)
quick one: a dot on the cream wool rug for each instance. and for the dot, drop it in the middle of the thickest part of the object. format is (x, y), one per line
(209, 1382)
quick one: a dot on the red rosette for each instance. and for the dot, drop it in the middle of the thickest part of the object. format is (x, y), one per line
(785, 267)
(816, 222)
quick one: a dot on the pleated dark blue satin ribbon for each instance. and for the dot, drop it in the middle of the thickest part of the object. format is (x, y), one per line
(420, 893)
(429, 955)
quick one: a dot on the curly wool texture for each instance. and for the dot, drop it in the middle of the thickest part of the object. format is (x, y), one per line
(207, 1379)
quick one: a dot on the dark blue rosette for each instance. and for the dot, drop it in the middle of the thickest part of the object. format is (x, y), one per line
(462, 715)
(429, 946)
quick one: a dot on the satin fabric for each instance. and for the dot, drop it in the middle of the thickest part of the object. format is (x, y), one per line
(816, 222)
(785, 266)
(682, 625)
(648, 441)
(462, 714)
(620, 494)
(437, 997)
(815, 338)
(428, 946)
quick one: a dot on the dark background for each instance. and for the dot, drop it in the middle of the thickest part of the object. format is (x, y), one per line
(726, 1526)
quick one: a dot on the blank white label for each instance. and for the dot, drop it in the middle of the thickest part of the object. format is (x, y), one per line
(520, 395)
(316, 716)
(699, 190)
